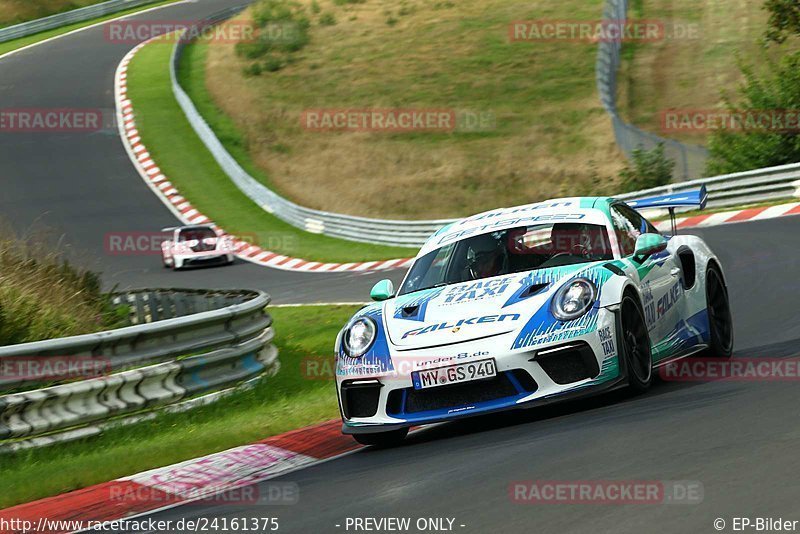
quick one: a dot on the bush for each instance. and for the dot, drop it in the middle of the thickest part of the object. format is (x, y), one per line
(282, 29)
(647, 168)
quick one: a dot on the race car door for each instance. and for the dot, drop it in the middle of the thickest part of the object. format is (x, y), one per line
(659, 279)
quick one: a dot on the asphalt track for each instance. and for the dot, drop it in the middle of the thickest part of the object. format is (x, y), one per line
(739, 440)
(78, 187)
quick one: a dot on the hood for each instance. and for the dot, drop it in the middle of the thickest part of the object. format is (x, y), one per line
(472, 310)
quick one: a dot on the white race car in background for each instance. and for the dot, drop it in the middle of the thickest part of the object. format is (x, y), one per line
(196, 245)
(521, 306)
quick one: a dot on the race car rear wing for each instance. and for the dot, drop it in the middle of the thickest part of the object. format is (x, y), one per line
(695, 198)
(690, 199)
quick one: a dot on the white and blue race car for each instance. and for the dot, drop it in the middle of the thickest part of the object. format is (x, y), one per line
(521, 306)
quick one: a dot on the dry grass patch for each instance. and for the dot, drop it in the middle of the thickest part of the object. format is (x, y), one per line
(551, 137)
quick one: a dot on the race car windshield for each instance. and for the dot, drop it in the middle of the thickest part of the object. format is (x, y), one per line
(196, 234)
(509, 251)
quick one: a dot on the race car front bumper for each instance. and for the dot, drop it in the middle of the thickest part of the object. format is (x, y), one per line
(204, 259)
(545, 373)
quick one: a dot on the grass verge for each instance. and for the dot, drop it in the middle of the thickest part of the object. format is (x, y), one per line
(10, 46)
(284, 402)
(190, 166)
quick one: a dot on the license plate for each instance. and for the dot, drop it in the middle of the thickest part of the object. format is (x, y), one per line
(454, 374)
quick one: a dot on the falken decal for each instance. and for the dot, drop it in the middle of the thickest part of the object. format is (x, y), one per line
(456, 325)
(668, 299)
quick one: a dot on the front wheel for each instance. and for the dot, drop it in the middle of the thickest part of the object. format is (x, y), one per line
(636, 346)
(720, 321)
(382, 439)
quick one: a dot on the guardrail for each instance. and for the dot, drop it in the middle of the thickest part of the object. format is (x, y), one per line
(741, 188)
(182, 344)
(68, 17)
(689, 159)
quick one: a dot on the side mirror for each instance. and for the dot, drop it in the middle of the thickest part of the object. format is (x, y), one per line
(649, 244)
(382, 290)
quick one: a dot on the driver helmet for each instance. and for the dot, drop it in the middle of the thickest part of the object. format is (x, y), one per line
(485, 257)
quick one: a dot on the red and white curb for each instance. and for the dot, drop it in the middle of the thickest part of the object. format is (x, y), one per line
(202, 481)
(735, 216)
(188, 214)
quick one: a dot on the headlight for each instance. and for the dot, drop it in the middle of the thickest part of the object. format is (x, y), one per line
(358, 337)
(574, 299)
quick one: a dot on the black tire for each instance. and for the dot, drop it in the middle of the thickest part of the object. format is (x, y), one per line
(719, 315)
(636, 348)
(382, 439)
